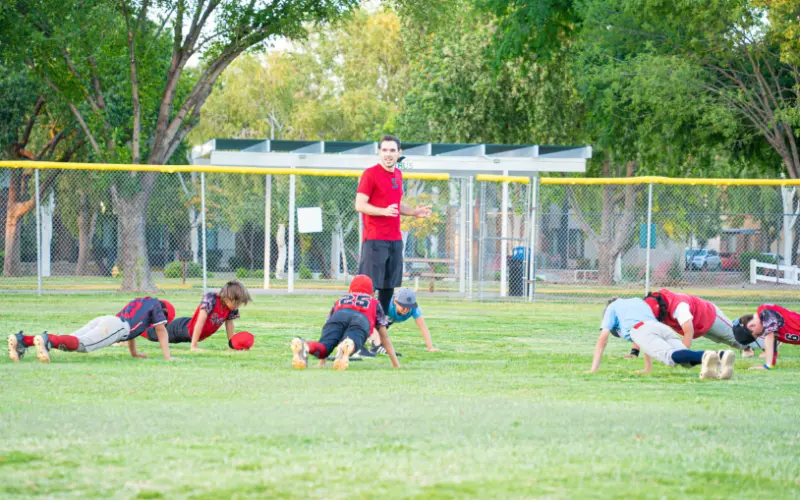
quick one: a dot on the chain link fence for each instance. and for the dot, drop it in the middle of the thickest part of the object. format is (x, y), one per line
(488, 238)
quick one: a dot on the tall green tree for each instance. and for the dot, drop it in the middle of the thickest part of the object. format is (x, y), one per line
(74, 47)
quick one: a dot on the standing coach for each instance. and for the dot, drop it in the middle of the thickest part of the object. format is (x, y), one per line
(379, 198)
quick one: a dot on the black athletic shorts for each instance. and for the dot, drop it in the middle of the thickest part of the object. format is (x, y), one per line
(342, 324)
(178, 331)
(383, 262)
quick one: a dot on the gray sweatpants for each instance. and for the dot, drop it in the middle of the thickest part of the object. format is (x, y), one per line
(658, 341)
(721, 331)
(101, 332)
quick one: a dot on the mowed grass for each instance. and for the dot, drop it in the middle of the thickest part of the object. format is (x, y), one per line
(505, 410)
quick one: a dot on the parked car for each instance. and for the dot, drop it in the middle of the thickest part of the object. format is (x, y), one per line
(706, 260)
(729, 261)
(689, 257)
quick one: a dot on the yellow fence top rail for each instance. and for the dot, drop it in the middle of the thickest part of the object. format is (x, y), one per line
(502, 178)
(321, 172)
(209, 169)
(668, 180)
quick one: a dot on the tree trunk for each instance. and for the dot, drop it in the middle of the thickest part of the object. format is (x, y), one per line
(280, 267)
(605, 265)
(14, 212)
(615, 235)
(86, 225)
(11, 262)
(132, 212)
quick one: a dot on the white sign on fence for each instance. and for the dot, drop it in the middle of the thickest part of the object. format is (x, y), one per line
(309, 220)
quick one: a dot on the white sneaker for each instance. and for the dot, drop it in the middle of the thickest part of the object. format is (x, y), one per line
(342, 360)
(299, 353)
(710, 365)
(726, 365)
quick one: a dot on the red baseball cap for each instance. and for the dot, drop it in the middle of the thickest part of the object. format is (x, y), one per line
(361, 284)
(242, 341)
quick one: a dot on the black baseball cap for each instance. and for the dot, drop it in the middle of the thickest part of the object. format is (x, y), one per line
(742, 334)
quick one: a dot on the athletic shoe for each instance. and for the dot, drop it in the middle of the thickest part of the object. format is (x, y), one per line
(748, 352)
(379, 349)
(342, 360)
(726, 365)
(363, 353)
(710, 365)
(356, 356)
(16, 347)
(42, 343)
(299, 353)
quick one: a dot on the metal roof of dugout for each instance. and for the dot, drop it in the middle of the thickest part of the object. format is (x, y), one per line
(458, 160)
(454, 159)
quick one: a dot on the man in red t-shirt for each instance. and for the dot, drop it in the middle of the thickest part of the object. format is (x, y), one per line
(379, 199)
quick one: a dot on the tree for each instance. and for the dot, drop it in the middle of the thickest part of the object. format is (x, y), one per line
(74, 48)
(343, 82)
(31, 128)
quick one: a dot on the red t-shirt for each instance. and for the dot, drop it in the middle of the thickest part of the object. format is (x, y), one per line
(704, 313)
(384, 189)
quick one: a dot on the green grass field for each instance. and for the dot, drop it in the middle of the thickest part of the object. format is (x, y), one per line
(505, 410)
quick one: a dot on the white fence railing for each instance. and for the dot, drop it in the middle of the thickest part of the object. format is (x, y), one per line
(790, 273)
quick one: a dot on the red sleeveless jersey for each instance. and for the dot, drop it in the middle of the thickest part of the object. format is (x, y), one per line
(789, 332)
(704, 313)
(361, 302)
(216, 312)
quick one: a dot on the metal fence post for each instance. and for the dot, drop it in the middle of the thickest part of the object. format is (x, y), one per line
(532, 252)
(504, 240)
(462, 238)
(38, 235)
(290, 259)
(481, 237)
(649, 236)
(203, 229)
(470, 239)
(267, 229)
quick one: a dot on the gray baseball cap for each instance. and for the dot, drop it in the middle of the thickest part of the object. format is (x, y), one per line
(406, 297)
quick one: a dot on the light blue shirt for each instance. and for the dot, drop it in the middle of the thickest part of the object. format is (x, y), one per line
(394, 317)
(622, 314)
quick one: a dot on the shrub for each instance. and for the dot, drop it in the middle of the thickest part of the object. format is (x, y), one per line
(746, 257)
(242, 273)
(175, 270)
(304, 273)
(632, 272)
(258, 273)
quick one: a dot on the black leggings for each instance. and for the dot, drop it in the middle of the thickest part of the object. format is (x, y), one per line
(385, 298)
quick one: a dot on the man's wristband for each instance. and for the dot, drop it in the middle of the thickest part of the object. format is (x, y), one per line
(766, 367)
(635, 352)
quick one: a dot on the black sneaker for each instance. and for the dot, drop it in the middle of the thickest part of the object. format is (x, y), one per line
(364, 353)
(379, 349)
